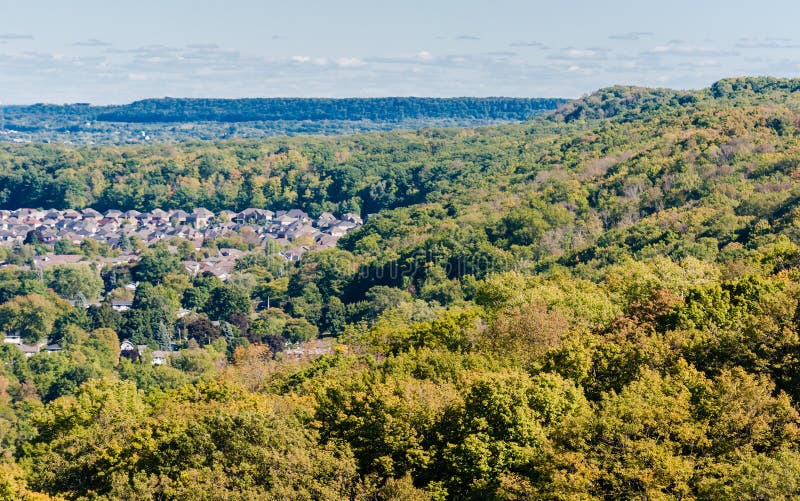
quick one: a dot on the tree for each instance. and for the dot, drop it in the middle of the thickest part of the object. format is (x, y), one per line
(104, 316)
(381, 298)
(33, 316)
(496, 430)
(299, 330)
(107, 340)
(101, 412)
(158, 298)
(71, 282)
(197, 296)
(33, 237)
(330, 270)
(164, 337)
(226, 300)
(334, 316)
(309, 305)
(242, 322)
(156, 263)
(202, 330)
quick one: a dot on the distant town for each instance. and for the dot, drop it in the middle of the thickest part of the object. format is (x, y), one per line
(293, 231)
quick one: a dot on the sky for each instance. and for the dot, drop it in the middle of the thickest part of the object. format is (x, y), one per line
(110, 51)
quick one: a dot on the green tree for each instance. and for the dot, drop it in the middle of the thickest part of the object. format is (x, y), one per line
(298, 330)
(71, 282)
(156, 263)
(33, 316)
(226, 300)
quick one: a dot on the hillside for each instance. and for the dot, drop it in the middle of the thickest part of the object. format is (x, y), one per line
(598, 303)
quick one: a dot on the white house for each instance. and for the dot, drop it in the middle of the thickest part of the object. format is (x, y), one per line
(120, 305)
(13, 338)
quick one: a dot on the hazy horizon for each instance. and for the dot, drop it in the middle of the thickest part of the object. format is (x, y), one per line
(96, 52)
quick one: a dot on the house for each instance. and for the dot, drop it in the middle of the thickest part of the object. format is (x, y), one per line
(130, 351)
(132, 216)
(353, 218)
(71, 214)
(53, 348)
(200, 217)
(48, 236)
(231, 253)
(59, 260)
(253, 216)
(159, 216)
(340, 229)
(284, 219)
(160, 357)
(25, 213)
(120, 305)
(326, 241)
(13, 338)
(91, 215)
(108, 223)
(294, 254)
(50, 221)
(297, 230)
(325, 219)
(30, 350)
(299, 215)
(126, 345)
(178, 217)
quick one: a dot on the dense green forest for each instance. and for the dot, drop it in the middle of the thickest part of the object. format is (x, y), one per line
(600, 303)
(173, 119)
(378, 109)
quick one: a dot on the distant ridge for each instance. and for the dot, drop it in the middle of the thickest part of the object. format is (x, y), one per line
(286, 109)
(376, 109)
(173, 119)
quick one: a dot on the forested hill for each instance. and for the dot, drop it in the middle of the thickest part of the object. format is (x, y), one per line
(180, 119)
(600, 303)
(377, 109)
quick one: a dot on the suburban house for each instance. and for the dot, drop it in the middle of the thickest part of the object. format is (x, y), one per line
(121, 305)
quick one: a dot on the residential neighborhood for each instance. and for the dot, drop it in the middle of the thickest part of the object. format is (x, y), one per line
(294, 232)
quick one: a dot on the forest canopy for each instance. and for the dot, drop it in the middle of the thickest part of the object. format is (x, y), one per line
(600, 303)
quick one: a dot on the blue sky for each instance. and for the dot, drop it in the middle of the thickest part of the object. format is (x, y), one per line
(114, 52)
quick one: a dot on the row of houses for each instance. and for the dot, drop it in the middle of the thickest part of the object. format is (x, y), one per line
(137, 352)
(30, 350)
(115, 227)
(127, 349)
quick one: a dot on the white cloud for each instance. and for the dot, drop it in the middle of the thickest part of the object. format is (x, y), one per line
(691, 51)
(317, 61)
(534, 44)
(120, 74)
(571, 53)
(92, 42)
(424, 56)
(349, 62)
(766, 43)
(632, 36)
(202, 46)
(16, 36)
